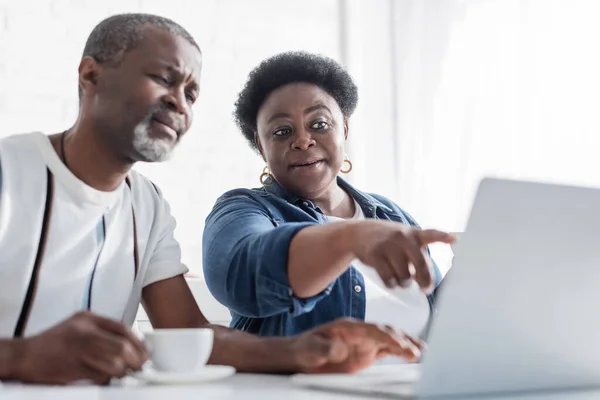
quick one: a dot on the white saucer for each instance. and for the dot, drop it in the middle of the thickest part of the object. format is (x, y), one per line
(206, 374)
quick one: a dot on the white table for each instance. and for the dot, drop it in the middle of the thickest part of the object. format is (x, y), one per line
(238, 387)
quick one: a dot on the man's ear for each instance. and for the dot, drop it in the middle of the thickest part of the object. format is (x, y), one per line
(259, 146)
(89, 70)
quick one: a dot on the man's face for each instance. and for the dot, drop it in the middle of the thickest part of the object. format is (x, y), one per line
(144, 104)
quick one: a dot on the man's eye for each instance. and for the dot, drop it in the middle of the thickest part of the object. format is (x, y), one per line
(161, 79)
(191, 98)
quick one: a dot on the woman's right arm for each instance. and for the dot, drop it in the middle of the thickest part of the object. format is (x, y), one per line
(320, 254)
(258, 269)
(245, 257)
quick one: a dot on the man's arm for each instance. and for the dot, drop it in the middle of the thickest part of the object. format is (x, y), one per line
(9, 349)
(341, 346)
(170, 304)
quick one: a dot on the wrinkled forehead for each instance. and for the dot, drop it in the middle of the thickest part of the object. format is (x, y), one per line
(158, 45)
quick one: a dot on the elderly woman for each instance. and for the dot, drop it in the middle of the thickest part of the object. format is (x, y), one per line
(307, 247)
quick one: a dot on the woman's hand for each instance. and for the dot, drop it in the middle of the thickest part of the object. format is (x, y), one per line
(348, 346)
(396, 251)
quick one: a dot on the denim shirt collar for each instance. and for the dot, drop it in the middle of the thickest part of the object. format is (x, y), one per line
(368, 203)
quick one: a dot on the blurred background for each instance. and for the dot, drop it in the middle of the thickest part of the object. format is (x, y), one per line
(450, 91)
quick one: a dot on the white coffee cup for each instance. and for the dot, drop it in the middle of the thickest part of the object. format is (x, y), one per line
(179, 350)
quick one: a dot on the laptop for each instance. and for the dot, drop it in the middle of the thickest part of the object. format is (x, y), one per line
(520, 309)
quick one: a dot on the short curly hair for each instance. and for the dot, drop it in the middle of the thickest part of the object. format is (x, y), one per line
(292, 67)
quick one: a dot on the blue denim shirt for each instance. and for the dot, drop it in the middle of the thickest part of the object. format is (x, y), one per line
(245, 253)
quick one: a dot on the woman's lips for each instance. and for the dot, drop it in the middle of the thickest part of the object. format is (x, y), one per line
(308, 163)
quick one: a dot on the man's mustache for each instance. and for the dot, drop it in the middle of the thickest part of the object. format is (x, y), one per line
(167, 117)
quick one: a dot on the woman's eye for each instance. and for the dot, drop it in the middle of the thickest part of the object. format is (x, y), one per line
(320, 125)
(282, 132)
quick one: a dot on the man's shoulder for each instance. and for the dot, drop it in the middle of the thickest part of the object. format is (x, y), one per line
(22, 140)
(151, 207)
(143, 187)
(23, 154)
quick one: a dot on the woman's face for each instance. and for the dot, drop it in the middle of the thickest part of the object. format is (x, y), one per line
(301, 136)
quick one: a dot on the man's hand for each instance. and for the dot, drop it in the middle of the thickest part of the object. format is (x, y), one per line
(348, 346)
(83, 347)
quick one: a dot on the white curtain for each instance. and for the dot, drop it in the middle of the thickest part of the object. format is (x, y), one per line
(455, 90)
(493, 87)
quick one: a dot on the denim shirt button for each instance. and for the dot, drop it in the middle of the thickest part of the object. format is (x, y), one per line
(357, 289)
(305, 203)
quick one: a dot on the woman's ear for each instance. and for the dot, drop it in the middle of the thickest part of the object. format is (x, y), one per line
(259, 146)
(345, 129)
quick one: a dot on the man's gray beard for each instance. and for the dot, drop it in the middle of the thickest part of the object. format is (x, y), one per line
(150, 149)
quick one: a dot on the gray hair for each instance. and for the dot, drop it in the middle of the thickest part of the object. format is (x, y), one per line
(118, 34)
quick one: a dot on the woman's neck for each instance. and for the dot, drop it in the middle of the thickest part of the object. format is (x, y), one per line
(335, 202)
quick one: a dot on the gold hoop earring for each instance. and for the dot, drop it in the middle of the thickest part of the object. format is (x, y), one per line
(346, 161)
(266, 179)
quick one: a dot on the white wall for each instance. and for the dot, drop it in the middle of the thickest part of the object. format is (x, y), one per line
(41, 43)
